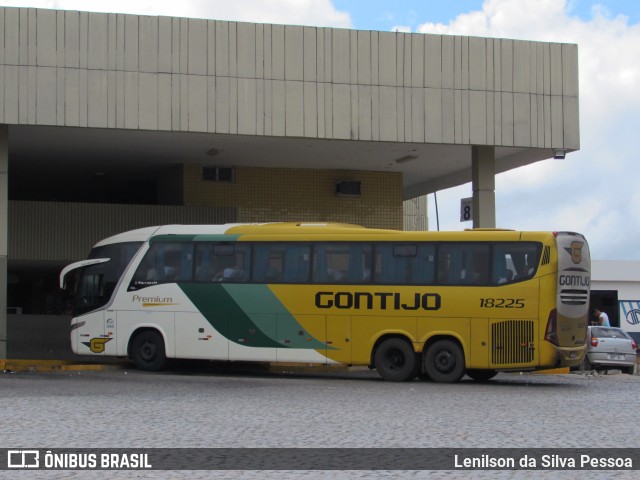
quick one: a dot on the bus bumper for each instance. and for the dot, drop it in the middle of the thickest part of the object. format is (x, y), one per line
(570, 356)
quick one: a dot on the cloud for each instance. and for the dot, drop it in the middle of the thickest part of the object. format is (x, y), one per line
(595, 190)
(288, 12)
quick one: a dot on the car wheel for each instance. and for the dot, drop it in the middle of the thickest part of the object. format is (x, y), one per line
(444, 361)
(148, 352)
(395, 360)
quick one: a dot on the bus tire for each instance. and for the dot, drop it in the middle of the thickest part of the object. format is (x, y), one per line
(481, 375)
(148, 352)
(395, 360)
(444, 361)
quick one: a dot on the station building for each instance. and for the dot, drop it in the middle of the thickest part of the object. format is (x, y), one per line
(615, 290)
(110, 122)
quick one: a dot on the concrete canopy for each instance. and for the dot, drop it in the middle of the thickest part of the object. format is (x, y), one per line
(65, 156)
(151, 90)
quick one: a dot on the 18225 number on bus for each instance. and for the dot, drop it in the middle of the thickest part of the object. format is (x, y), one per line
(502, 303)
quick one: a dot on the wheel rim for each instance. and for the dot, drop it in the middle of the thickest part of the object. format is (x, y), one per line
(444, 361)
(148, 351)
(394, 359)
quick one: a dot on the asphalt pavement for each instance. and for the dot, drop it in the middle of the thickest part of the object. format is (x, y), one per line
(201, 407)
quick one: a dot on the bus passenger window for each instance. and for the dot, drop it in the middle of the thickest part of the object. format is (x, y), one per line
(514, 261)
(268, 263)
(342, 263)
(463, 264)
(164, 263)
(410, 264)
(205, 268)
(222, 262)
(297, 263)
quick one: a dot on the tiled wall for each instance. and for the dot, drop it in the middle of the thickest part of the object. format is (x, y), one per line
(278, 194)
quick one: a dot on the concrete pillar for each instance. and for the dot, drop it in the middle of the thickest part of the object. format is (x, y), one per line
(4, 227)
(483, 175)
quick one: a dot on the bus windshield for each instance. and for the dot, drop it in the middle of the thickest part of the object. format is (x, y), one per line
(97, 282)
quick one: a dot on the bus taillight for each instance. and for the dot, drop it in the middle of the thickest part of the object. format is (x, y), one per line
(551, 334)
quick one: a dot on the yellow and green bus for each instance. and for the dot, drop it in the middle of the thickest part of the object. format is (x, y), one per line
(434, 305)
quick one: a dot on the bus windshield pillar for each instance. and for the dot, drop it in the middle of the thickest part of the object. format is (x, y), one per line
(483, 172)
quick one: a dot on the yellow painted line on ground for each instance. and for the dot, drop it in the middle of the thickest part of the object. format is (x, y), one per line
(48, 366)
(554, 371)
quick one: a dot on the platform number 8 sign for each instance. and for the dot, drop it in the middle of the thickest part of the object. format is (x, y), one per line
(466, 209)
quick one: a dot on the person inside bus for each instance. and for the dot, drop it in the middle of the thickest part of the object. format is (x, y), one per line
(229, 271)
(522, 269)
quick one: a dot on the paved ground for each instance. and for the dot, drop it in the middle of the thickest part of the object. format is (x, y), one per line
(196, 407)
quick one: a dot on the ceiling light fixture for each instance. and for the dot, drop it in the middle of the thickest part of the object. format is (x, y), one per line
(559, 154)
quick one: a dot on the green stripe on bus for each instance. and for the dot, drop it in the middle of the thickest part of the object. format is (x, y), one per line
(235, 311)
(225, 315)
(254, 299)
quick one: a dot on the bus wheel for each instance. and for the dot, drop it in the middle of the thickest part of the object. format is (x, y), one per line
(395, 360)
(147, 351)
(481, 375)
(444, 362)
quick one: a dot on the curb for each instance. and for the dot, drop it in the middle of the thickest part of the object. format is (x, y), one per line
(51, 366)
(554, 371)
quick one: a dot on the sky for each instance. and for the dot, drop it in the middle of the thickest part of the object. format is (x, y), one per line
(595, 191)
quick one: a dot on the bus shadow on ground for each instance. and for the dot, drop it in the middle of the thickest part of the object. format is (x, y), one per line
(328, 373)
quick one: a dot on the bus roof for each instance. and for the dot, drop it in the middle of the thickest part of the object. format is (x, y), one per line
(320, 230)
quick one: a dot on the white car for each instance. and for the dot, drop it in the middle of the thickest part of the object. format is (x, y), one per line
(609, 348)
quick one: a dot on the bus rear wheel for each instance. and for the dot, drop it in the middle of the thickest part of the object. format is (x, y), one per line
(395, 360)
(147, 351)
(444, 361)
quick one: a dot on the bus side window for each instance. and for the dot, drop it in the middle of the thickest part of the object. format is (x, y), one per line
(222, 262)
(164, 263)
(205, 268)
(410, 264)
(268, 263)
(424, 268)
(239, 271)
(342, 263)
(514, 262)
(297, 263)
(463, 264)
